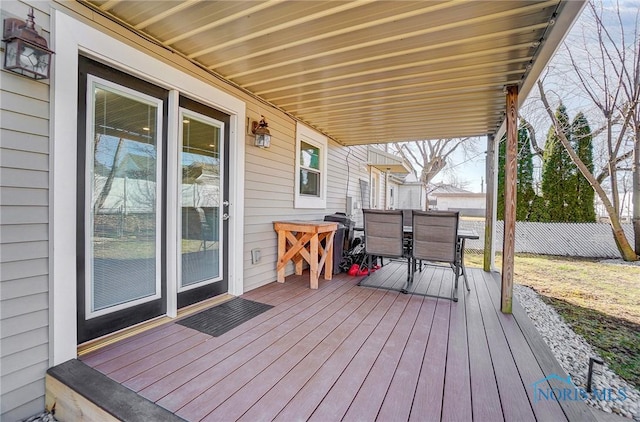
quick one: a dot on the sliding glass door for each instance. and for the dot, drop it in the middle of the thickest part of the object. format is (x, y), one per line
(121, 144)
(123, 207)
(202, 207)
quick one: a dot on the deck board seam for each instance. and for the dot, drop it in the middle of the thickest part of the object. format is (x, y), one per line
(288, 313)
(444, 383)
(161, 356)
(386, 338)
(296, 368)
(395, 297)
(361, 296)
(424, 352)
(497, 317)
(446, 352)
(402, 354)
(114, 351)
(303, 340)
(436, 303)
(545, 359)
(476, 298)
(492, 287)
(342, 349)
(210, 386)
(404, 339)
(135, 356)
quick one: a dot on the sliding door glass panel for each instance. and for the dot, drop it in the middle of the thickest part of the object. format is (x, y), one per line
(200, 200)
(123, 226)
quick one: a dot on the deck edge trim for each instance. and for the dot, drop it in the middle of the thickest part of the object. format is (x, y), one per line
(115, 399)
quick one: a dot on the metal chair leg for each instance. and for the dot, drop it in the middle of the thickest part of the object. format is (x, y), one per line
(460, 252)
(464, 275)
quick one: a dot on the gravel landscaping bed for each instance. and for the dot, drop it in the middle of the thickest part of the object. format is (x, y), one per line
(573, 353)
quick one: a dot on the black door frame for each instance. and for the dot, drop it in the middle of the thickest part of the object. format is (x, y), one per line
(101, 325)
(114, 321)
(198, 294)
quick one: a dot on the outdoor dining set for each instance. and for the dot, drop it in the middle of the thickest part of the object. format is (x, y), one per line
(419, 237)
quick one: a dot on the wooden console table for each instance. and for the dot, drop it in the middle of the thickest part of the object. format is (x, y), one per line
(298, 240)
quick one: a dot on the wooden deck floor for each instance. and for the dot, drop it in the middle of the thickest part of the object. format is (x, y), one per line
(345, 352)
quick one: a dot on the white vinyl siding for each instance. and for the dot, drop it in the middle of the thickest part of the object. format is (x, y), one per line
(347, 165)
(270, 190)
(24, 235)
(473, 203)
(411, 197)
(392, 195)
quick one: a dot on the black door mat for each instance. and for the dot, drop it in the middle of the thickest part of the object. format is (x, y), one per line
(224, 317)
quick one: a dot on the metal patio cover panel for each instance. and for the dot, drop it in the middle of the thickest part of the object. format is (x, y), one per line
(366, 72)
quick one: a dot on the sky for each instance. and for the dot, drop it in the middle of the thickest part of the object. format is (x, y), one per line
(468, 169)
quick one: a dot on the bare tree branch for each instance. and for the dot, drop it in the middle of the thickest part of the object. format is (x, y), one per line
(626, 251)
(532, 135)
(605, 172)
(428, 158)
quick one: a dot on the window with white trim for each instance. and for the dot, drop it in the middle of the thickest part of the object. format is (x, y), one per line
(311, 169)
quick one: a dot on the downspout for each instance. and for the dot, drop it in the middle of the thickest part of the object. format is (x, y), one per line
(386, 189)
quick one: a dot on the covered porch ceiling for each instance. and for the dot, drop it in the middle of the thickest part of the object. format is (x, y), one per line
(365, 72)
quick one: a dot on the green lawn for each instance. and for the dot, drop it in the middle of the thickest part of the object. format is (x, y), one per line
(599, 301)
(139, 249)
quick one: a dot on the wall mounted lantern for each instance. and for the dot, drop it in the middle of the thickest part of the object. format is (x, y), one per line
(263, 136)
(26, 52)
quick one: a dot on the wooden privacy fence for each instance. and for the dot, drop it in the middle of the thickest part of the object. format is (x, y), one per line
(589, 240)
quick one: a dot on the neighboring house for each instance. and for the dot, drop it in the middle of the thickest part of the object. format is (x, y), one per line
(412, 194)
(386, 170)
(451, 198)
(107, 163)
(393, 191)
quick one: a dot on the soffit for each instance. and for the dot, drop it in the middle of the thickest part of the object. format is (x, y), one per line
(385, 161)
(365, 72)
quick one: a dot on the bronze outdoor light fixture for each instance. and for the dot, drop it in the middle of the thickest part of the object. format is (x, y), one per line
(26, 52)
(263, 136)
